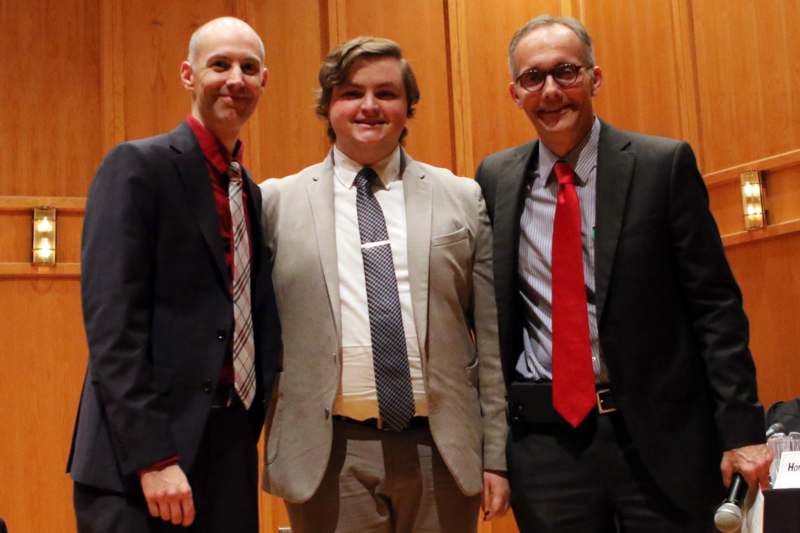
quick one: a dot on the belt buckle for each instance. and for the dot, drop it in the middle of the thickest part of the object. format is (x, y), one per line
(601, 395)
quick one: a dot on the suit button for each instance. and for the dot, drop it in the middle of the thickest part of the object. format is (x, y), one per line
(207, 386)
(220, 335)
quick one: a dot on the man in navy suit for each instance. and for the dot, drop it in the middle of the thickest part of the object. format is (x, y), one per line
(624, 343)
(179, 313)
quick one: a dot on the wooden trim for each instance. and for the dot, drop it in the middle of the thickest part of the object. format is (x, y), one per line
(68, 204)
(573, 8)
(769, 164)
(460, 97)
(112, 80)
(688, 96)
(769, 232)
(337, 22)
(27, 270)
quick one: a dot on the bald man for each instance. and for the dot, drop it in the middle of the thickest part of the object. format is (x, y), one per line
(179, 313)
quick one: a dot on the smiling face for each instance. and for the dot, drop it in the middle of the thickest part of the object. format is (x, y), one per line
(369, 109)
(226, 77)
(562, 116)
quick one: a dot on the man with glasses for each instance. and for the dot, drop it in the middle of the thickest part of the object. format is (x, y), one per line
(624, 342)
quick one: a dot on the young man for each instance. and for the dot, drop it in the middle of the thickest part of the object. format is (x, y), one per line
(390, 411)
(623, 335)
(180, 314)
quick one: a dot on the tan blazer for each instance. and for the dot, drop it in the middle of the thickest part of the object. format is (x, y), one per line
(450, 270)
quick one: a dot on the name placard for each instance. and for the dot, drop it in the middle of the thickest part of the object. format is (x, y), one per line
(788, 476)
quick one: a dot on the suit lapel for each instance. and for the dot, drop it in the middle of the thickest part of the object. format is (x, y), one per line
(510, 189)
(320, 196)
(418, 199)
(615, 166)
(199, 195)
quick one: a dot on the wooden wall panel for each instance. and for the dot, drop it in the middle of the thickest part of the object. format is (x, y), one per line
(51, 103)
(495, 121)
(748, 83)
(634, 47)
(291, 136)
(419, 27)
(783, 194)
(155, 39)
(770, 280)
(43, 365)
(15, 241)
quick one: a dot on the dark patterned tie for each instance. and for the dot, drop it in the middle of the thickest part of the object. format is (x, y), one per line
(390, 355)
(244, 369)
(573, 377)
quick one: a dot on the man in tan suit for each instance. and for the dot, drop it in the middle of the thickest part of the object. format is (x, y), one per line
(390, 409)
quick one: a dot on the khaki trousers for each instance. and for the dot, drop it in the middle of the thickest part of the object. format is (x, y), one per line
(385, 482)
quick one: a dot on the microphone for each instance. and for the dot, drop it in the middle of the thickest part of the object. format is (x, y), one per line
(728, 517)
(776, 427)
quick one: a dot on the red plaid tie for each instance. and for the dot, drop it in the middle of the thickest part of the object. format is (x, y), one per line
(573, 377)
(244, 368)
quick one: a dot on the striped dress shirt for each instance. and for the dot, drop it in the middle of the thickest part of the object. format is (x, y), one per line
(535, 254)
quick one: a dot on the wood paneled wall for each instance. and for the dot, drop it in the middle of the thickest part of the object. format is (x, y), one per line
(87, 74)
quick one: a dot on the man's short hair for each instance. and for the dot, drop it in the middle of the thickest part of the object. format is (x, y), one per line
(337, 64)
(548, 20)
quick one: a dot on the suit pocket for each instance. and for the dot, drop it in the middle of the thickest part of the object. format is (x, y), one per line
(449, 238)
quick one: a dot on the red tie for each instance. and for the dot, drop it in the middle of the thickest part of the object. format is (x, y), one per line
(573, 377)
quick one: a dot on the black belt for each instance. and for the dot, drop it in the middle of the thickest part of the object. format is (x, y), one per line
(225, 396)
(532, 403)
(376, 423)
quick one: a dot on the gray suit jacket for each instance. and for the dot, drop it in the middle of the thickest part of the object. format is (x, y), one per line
(450, 269)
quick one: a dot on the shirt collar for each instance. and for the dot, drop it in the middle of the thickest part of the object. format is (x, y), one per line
(213, 150)
(345, 169)
(578, 157)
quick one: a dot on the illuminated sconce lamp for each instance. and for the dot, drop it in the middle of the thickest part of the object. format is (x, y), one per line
(753, 204)
(44, 236)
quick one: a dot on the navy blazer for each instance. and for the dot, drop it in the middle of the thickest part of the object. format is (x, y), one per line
(672, 330)
(158, 310)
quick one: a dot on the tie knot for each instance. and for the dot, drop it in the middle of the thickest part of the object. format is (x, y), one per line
(364, 177)
(234, 171)
(564, 173)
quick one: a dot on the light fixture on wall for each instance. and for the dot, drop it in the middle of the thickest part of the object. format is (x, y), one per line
(44, 236)
(753, 204)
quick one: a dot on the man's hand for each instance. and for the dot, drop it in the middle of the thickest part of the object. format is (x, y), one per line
(752, 462)
(494, 498)
(168, 495)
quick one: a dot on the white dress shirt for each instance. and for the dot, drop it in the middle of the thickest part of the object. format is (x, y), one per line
(357, 397)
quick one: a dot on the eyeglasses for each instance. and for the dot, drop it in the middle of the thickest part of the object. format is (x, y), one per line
(565, 75)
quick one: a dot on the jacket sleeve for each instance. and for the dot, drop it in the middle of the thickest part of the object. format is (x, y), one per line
(714, 304)
(490, 373)
(117, 276)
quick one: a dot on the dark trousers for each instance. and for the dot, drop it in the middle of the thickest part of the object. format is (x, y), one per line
(588, 480)
(224, 483)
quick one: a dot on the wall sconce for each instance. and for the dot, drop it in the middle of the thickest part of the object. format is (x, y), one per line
(44, 236)
(753, 204)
